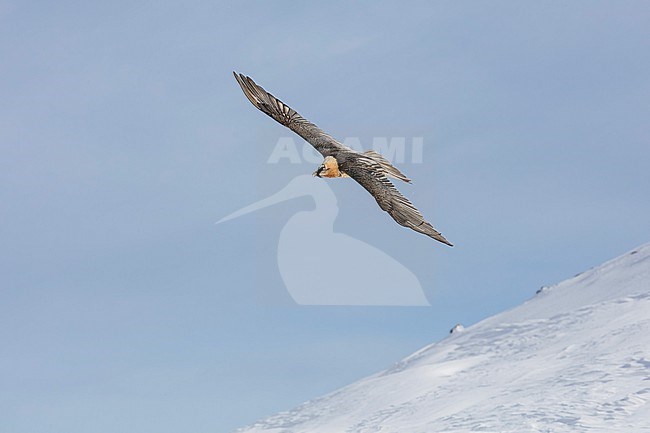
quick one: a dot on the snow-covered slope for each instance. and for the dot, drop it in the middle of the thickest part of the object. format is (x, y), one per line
(575, 358)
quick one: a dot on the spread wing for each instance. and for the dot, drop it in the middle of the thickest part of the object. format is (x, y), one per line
(372, 178)
(288, 117)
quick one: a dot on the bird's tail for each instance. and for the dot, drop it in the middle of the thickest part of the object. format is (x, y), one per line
(386, 166)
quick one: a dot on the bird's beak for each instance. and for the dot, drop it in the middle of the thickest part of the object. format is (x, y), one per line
(315, 173)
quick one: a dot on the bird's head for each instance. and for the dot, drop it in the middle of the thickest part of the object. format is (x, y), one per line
(329, 168)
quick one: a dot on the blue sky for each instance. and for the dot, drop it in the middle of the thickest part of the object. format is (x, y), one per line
(124, 138)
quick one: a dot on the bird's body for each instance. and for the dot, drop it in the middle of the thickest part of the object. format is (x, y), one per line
(369, 169)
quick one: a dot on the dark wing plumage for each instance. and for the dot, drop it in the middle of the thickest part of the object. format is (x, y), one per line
(371, 177)
(288, 117)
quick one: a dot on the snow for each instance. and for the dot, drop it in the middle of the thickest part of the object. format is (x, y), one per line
(575, 358)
